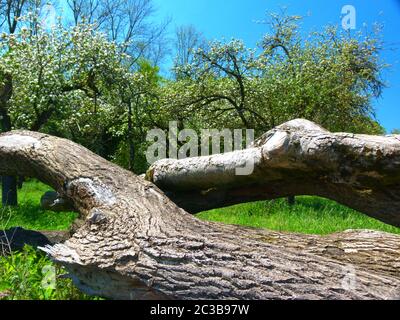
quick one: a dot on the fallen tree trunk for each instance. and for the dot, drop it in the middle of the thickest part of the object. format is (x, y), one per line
(137, 244)
(297, 158)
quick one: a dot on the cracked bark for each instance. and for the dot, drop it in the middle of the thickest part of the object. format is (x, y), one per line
(137, 244)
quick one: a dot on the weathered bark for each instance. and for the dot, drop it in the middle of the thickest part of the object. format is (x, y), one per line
(297, 158)
(137, 244)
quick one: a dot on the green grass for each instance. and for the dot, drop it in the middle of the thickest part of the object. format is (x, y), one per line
(30, 216)
(311, 215)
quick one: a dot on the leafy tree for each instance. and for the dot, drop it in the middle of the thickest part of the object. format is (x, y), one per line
(57, 74)
(138, 96)
(67, 81)
(328, 77)
(216, 85)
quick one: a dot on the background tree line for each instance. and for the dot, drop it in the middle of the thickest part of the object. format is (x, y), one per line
(94, 77)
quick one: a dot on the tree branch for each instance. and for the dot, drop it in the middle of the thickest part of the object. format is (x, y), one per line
(137, 244)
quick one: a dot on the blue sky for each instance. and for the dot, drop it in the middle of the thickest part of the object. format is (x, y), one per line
(218, 19)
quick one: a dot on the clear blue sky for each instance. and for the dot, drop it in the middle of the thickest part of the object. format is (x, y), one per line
(218, 19)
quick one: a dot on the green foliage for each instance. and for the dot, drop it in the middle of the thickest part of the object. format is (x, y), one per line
(64, 82)
(122, 157)
(310, 215)
(51, 70)
(139, 99)
(75, 83)
(328, 77)
(23, 275)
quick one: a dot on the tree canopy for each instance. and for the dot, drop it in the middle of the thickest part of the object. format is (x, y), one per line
(329, 77)
(90, 82)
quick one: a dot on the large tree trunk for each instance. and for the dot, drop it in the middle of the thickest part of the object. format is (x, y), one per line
(138, 244)
(296, 158)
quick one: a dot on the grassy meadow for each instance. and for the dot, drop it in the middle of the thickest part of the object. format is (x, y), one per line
(30, 216)
(310, 215)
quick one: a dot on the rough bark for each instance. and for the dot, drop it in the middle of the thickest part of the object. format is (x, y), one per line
(297, 158)
(137, 244)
